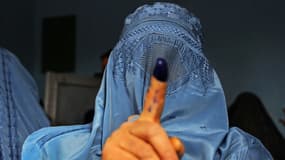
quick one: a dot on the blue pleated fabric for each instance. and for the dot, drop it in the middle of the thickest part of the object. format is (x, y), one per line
(195, 108)
(20, 112)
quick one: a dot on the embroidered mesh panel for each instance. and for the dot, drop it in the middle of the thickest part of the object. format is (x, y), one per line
(148, 42)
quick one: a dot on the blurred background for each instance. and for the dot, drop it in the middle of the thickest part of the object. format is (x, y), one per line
(244, 40)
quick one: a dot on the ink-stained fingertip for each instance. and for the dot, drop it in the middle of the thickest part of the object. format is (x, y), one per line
(160, 71)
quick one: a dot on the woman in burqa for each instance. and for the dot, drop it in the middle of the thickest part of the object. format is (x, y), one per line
(20, 110)
(195, 108)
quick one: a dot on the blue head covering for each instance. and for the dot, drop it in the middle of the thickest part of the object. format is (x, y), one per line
(195, 108)
(20, 112)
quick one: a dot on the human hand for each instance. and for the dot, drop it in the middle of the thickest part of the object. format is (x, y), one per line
(144, 138)
(139, 140)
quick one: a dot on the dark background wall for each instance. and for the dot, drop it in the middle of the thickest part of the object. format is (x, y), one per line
(17, 19)
(244, 40)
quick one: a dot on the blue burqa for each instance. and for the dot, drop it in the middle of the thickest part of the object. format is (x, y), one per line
(20, 111)
(195, 107)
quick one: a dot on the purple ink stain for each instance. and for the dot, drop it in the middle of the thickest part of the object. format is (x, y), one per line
(149, 108)
(155, 100)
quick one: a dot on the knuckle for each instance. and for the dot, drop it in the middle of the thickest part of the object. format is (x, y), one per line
(153, 130)
(147, 153)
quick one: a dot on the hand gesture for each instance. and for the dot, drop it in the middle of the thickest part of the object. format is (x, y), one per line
(145, 139)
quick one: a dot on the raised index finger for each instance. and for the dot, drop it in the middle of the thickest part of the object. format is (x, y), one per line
(154, 103)
(155, 96)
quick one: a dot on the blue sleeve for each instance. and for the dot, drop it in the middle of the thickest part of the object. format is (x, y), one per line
(239, 145)
(56, 143)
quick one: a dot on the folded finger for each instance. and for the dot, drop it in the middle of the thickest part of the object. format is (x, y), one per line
(118, 154)
(138, 148)
(155, 135)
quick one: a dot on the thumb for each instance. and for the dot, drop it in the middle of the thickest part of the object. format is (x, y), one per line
(177, 145)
